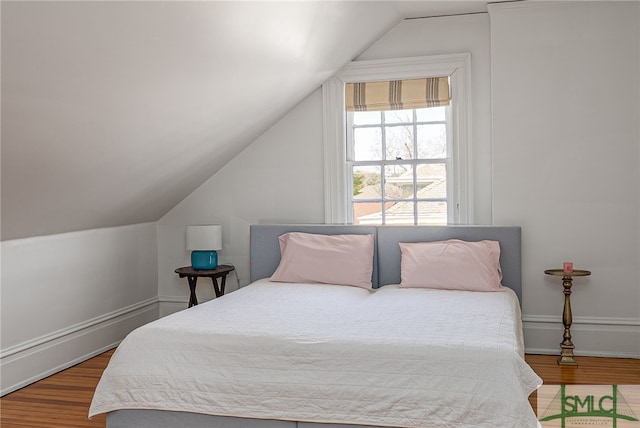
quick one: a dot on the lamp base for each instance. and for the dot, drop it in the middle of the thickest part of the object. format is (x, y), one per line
(204, 260)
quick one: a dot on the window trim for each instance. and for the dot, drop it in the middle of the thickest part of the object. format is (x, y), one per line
(456, 66)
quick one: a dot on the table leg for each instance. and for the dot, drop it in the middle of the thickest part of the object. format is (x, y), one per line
(193, 299)
(566, 346)
(224, 280)
(215, 286)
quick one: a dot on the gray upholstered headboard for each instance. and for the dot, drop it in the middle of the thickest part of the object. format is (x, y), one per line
(265, 249)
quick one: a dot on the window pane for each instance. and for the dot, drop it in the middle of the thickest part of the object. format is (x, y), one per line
(430, 114)
(367, 144)
(367, 213)
(398, 116)
(366, 117)
(432, 141)
(434, 213)
(367, 182)
(431, 181)
(400, 213)
(399, 142)
(398, 181)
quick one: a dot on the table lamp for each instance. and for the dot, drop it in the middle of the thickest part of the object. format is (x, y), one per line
(204, 241)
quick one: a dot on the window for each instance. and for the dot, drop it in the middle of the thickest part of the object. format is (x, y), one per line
(398, 166)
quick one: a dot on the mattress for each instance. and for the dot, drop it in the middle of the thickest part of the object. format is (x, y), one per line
(332, 354)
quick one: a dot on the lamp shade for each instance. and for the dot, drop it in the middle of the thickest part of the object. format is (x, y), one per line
(204, 238)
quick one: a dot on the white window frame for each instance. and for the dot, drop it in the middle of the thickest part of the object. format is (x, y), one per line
(457, 67)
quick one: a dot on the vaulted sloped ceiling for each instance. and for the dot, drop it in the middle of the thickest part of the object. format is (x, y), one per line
(113, 112)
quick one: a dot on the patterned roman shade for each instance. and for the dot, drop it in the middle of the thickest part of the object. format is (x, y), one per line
(397, 94)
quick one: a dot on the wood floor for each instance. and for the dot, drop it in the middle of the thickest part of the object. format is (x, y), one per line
(62, 400)
(590, 371)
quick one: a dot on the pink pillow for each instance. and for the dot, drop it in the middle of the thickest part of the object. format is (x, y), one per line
(451, 265)
(327, 259)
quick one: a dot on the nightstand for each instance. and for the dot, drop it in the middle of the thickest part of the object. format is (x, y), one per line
(193, 274)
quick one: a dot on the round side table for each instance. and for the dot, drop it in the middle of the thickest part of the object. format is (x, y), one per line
(193, 274)
(566, 346)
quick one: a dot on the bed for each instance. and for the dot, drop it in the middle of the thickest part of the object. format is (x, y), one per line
(315, 355)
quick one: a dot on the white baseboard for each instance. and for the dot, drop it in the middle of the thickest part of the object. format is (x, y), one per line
(168, 305)
(171, 304)
(592, 336)
(35, 359)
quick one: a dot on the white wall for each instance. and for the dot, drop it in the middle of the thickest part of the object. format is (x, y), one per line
(519, 177)
(70, 296)
(566, 93)
(278, 179)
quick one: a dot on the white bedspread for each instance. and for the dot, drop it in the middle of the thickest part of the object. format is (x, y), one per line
(334, 354)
